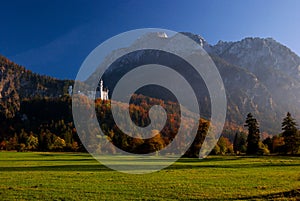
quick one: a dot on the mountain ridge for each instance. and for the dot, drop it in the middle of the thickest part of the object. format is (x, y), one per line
(256, 73)
(18, 83)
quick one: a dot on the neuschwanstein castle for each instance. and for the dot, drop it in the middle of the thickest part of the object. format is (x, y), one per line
(100, 92)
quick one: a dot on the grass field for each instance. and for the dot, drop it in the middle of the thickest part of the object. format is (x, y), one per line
(65, 176)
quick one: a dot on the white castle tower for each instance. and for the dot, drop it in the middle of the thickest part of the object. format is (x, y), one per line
(70, 90)
(100, 92)
(103, 93)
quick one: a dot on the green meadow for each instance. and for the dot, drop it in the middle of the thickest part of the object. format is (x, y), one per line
(73, 176)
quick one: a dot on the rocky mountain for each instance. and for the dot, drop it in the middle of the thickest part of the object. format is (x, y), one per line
(18, 83)
(274, 67)
(260, 76)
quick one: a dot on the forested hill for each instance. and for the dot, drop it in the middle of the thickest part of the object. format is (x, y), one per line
(260, 76)
(18, 83)
(46, 124)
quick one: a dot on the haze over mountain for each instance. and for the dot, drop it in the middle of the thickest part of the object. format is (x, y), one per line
(273, 73)
(260, 76)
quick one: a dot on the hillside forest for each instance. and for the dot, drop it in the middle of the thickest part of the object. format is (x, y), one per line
(46, 124)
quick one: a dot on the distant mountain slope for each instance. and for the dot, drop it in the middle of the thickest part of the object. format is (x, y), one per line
(275, 67)
(261, 76)
(17, 83)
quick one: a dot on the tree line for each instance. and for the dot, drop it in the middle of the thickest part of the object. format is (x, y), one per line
(46, 124)
(287, 142)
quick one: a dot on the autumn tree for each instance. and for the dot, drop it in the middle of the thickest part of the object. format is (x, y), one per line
(225, 145)
(269, 143)
(3, 145)
(194, 150)
(290, 134)
(156, 142)
(58, 144)
(277, 144)
(253, 134)
(12, 143)
(239, 143)
(32, 142)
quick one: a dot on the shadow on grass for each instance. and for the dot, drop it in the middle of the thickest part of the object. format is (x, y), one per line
(285, 194)
(248, 165)
(96, 167)
(197, 160)
(59, 154)
(192, 163)
(50, 160)
(182, 163)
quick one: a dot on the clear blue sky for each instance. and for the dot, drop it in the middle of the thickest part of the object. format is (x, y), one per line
(54, 37)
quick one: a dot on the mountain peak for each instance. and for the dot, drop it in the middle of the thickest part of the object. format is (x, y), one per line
(256, 73)
(197, 38)
(256, 53)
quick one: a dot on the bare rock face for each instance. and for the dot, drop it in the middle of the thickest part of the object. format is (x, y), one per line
(276, 68)
(260, 76)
